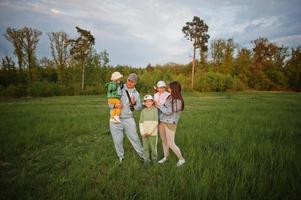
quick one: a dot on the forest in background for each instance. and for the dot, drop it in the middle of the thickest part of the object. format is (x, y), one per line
(77, 68)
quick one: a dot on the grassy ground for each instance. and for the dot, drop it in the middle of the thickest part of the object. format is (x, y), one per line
(237, 146)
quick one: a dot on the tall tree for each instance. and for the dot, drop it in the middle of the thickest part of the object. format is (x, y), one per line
(242, 64)
(229, 56)
(8, 63)
(105, 60)
(59, 44)
(81, 48)
(293, 69)
(196, 31)
(267, 63)
(30, 42)
(218, 51)
(264, 51)
(15, 37)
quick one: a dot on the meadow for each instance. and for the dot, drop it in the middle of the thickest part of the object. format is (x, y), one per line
(244, 145)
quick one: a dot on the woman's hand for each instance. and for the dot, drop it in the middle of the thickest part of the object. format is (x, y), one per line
(118, 105)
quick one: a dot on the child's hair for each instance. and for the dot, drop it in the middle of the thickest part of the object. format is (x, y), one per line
(175, 89)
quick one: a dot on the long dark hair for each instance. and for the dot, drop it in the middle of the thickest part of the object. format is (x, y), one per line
(175, 90)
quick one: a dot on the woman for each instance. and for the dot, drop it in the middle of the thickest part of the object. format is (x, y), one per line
(169, 117)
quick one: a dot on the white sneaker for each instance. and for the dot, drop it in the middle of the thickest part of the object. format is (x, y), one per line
(117, 118)
(180, 162)
(163, 160)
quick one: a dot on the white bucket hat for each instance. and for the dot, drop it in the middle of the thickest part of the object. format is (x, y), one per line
(116, 75)
(161, 84)
(148, 97)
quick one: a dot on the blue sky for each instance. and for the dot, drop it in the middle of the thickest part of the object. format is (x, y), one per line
(140, 32)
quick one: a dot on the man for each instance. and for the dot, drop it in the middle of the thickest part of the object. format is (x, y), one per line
(127, 123)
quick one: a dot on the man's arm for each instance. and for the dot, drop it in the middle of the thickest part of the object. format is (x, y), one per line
(138, 105)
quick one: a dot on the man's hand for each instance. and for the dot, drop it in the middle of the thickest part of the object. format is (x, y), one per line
(133, 100)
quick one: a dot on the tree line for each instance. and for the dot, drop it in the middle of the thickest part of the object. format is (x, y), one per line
(76, 68)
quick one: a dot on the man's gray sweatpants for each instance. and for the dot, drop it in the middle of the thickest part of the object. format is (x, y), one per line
(127, 126)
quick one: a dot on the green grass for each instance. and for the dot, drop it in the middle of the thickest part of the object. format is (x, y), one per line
(237, 146)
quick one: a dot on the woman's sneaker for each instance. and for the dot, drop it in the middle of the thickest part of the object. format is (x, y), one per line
(180, 162)
(163, 160)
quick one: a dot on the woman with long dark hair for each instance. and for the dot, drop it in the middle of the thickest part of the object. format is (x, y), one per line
(169, 117)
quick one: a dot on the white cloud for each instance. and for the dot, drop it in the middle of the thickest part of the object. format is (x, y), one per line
(291, 40)
(55, 11)
(154, 25)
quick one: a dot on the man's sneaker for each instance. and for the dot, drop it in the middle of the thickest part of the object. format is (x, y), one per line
(121, 160)
(116, 117)
(163, 160)
(180, 162)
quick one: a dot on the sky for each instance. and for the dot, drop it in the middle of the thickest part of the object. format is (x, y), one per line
(139, 32)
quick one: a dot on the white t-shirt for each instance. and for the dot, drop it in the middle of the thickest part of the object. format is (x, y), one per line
(161, 98)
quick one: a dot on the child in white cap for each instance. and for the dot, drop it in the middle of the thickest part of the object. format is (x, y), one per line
(148, 125)
(113, 94)
(161, 93)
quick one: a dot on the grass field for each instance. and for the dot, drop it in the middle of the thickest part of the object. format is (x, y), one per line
(237, 146)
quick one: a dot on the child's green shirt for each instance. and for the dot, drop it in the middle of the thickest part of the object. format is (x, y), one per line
(148, 122)
(113, 90)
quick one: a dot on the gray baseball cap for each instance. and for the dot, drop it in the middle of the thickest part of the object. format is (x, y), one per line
(133, 77)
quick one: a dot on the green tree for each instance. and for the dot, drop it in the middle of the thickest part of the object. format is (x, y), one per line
(59, 44)
(15, 37)
(30, 42)
(196, 31)
(222, 52)
(293, 69)
(242, 65)
(104, 58)
(229, 56)
(217, 51)
(268, 62)
(81, 48)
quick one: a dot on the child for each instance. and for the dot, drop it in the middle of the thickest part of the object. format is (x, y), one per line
(148, 126)
(161, 94)
(160, 98)
(113, 94)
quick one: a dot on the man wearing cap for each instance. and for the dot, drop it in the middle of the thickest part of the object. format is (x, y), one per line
(130, 99)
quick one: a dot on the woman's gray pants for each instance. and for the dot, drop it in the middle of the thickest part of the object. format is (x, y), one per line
(127, 126)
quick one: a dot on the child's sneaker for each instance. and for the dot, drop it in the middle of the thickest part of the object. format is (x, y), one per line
(163, 160)
(116, 117)
(180, 162)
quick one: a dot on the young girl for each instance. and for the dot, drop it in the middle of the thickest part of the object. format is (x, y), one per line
(169, 117)
(148, 126)
(161, 94)
(113, 94)
(160, 97)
